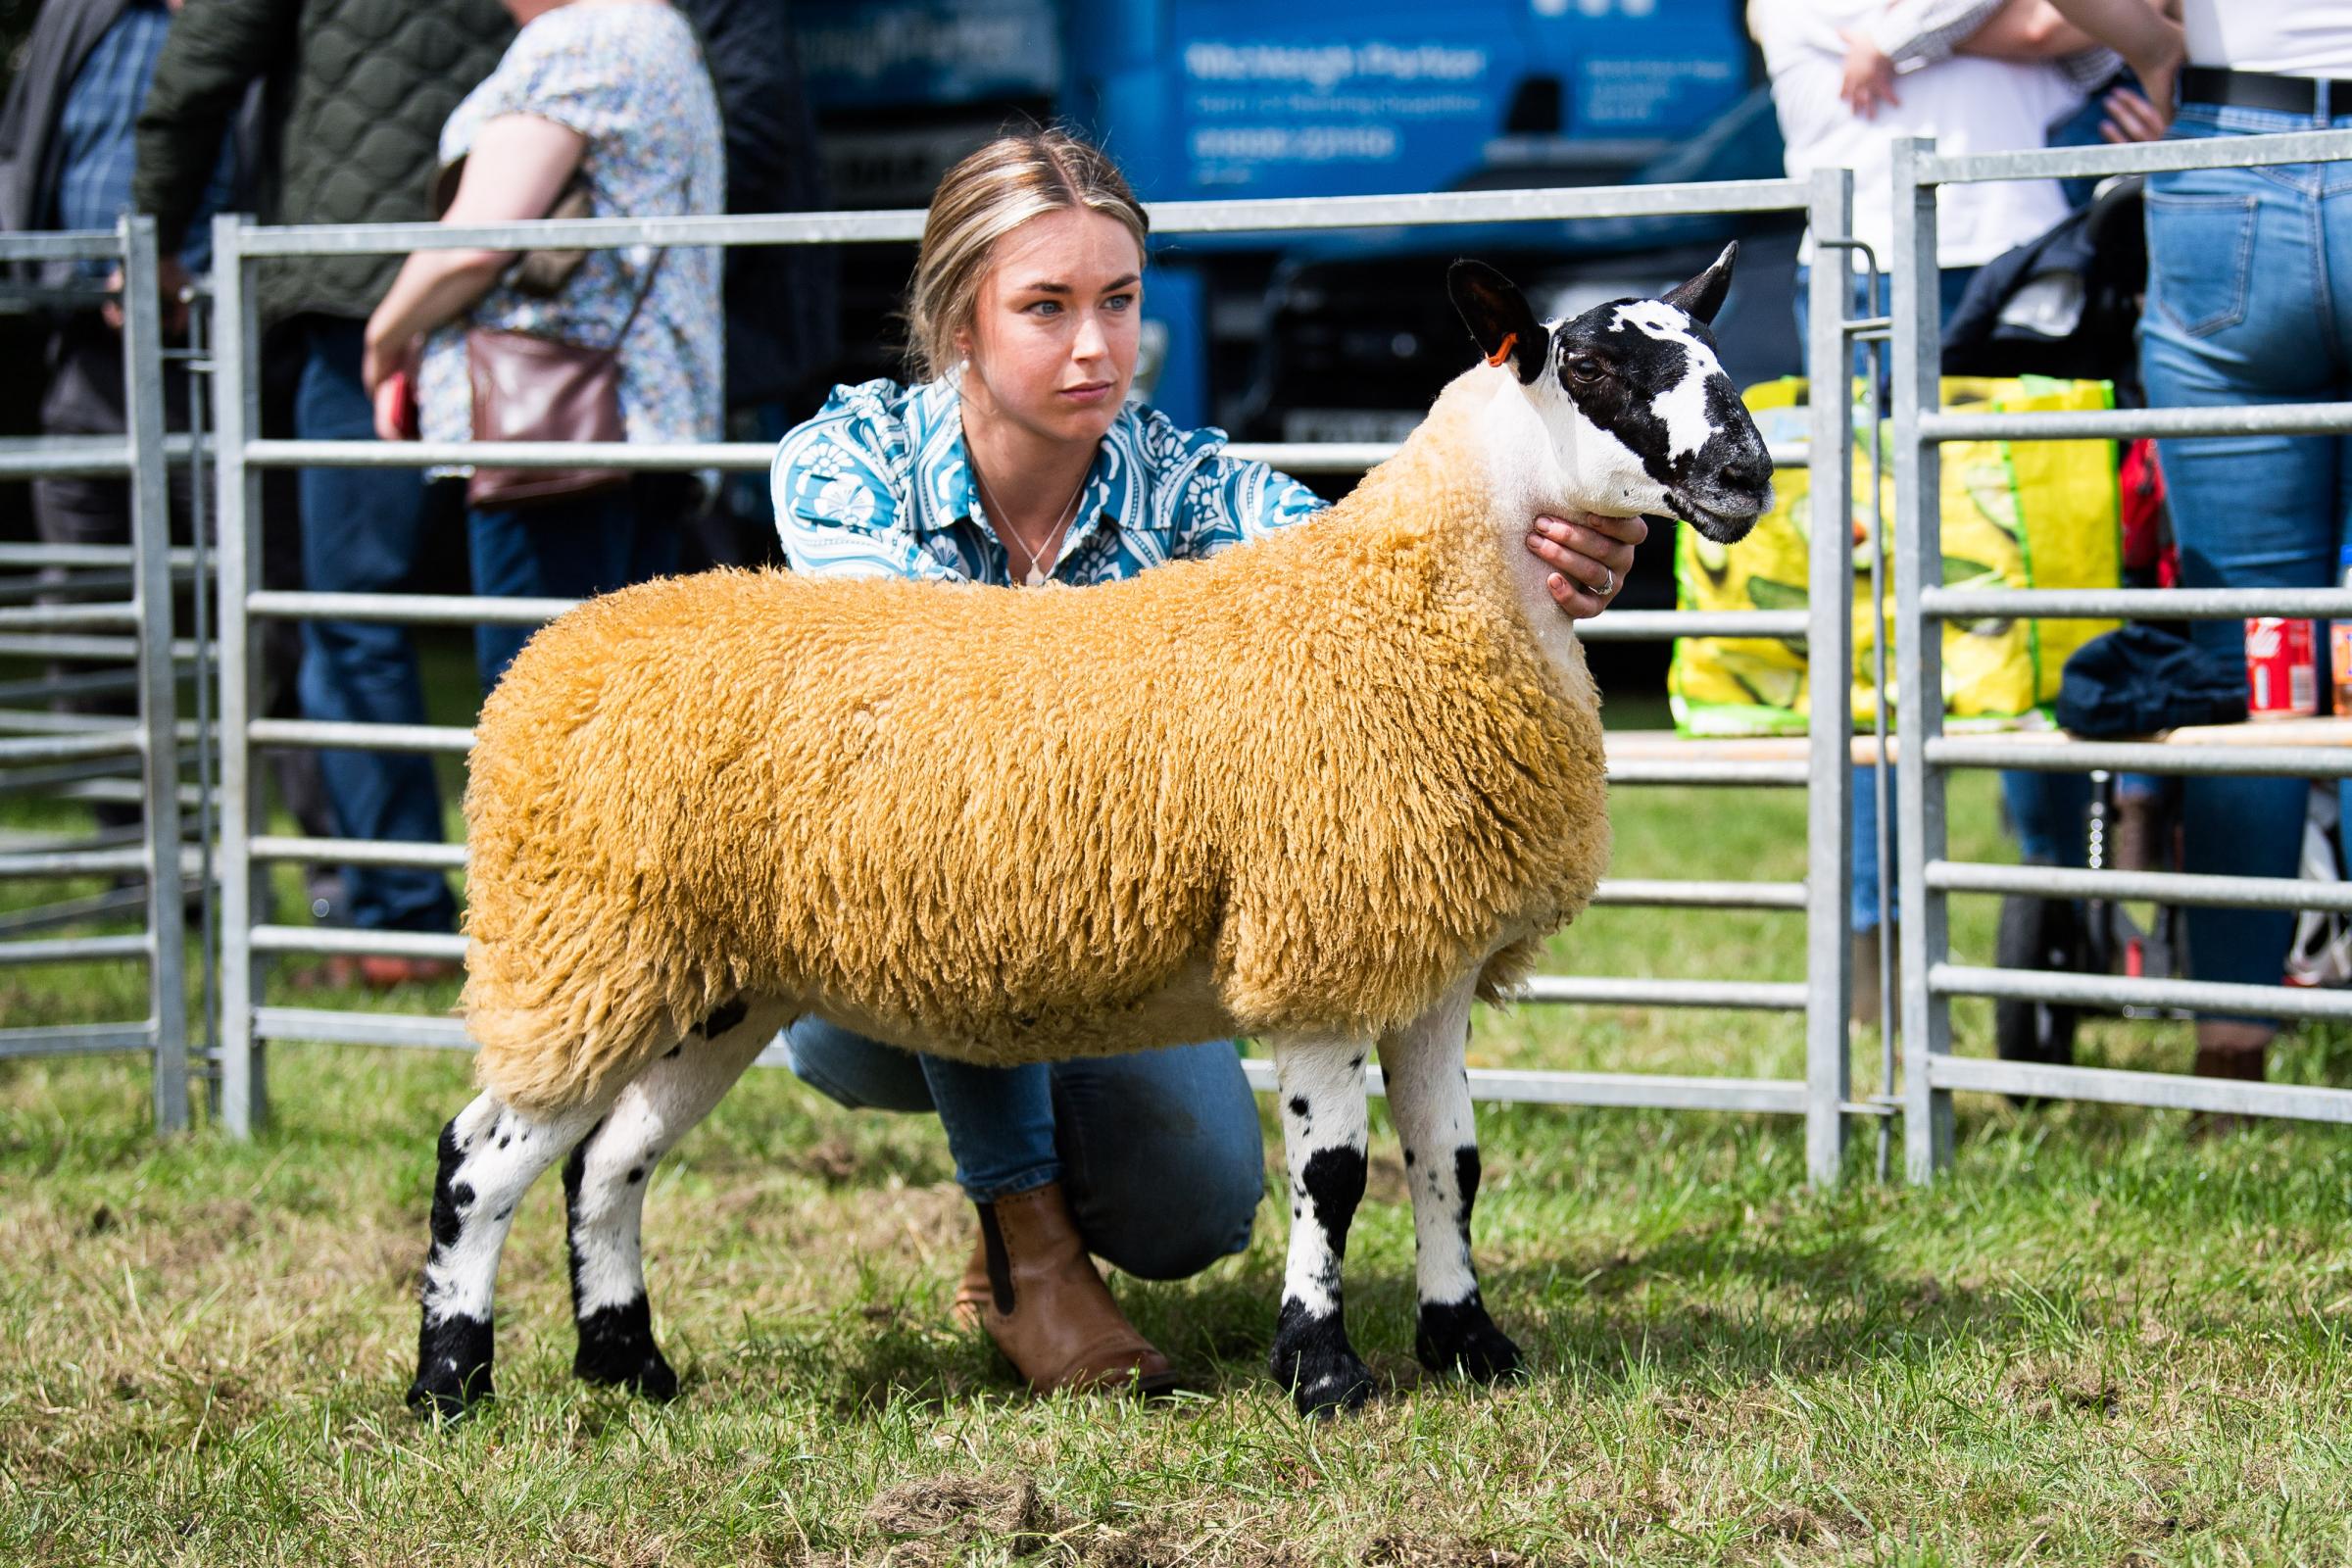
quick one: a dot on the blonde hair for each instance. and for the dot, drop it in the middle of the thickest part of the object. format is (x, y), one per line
(984, 197)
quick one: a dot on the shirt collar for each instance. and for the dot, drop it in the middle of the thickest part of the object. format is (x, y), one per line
(946, 495)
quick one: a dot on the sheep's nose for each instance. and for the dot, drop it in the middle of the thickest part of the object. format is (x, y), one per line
(1750, 468)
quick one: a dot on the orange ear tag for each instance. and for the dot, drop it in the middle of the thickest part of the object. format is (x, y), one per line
(1510, 340)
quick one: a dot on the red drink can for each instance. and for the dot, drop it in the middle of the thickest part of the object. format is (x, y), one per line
(2282, 677)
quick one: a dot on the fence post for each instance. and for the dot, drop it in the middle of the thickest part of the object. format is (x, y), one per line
(236, 419)
(151, 577)
(1829, 660)
(1927, 1017)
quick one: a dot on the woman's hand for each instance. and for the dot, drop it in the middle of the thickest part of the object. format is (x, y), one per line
(387, 372)
(1868, 81)
(1590, 556)
(381, 356)
(2132, 116)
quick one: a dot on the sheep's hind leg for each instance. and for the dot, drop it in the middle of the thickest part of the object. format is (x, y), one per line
(604, 1193)
(1325, 1131)
(489, 1157)
(1429, 1099)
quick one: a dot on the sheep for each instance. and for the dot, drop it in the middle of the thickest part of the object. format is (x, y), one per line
(1348, 777)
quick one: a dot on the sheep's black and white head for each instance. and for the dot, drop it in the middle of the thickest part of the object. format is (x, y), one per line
(1637, 410)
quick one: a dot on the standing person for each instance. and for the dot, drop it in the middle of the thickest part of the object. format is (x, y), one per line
(1848, 76)
(615, 92)
(358, 91)
(783, 301)
(1015, 459)
(2249, 302)
(66, 163)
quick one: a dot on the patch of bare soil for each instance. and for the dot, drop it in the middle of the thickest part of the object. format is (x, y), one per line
(930, 1518)
(1407, 1548)
(831, 1160)
(1164, 1546)
(2043, 1387)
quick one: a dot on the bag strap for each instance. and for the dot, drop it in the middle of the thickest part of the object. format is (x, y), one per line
(645, 290)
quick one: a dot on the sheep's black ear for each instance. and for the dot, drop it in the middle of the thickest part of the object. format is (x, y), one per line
(1497, 314)
(1702, 296)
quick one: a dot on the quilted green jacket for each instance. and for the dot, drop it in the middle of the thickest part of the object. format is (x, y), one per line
(356, 94)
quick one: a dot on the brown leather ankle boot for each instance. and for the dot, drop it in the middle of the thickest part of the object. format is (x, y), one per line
(972, 1292)
(1047, 1307)
(2228, 1050)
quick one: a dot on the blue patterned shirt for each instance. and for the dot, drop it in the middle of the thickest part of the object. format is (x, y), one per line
(94, 135)
(878, 485)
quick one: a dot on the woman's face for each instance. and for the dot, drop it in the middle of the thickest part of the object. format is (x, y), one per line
(1052, 344)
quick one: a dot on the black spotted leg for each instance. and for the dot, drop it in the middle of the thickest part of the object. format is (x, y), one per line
(1429, 1099)
(1325, 1132)
(490, 1154)
(604, 1193)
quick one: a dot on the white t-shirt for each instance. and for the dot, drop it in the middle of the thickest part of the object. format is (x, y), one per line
(2284, 37)
(1968, 104)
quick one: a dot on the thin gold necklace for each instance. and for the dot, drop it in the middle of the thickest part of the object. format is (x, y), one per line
(1037, 572)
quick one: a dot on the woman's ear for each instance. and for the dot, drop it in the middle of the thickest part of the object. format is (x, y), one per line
(1499, 319)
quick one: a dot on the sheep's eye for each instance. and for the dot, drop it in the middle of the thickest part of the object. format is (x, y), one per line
(1585, 368)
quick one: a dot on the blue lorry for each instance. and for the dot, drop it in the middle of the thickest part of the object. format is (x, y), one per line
(1306, 336)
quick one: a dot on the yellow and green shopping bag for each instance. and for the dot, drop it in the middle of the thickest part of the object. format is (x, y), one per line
(2016, 515)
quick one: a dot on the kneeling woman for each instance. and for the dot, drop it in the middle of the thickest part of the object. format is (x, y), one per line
(1016, 459)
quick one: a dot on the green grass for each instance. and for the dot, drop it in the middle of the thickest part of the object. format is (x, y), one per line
(2097, 1343)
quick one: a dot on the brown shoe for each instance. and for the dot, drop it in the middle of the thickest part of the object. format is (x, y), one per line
(377, 971)
(380, 971)
(1048, 1308)
(972, 1292)
(2233, 1051)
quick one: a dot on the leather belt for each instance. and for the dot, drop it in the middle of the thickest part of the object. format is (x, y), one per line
(2258, 90)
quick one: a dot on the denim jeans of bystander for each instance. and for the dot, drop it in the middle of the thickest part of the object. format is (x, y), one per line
(362, 532)
(2249, 302)
(570, 548)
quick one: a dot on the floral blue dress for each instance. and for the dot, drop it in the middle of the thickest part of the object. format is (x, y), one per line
(630, 79)
(878, 484)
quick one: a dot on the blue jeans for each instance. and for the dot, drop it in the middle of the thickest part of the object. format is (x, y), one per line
(361, 530)
(1161, 1152)
(2046, 809)
(2249, 301)
(570, 548)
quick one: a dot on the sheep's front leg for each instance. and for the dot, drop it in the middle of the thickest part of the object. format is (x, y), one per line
(490, 1154)
(1429, 1099)
(604, 1193)
(1325, 1131)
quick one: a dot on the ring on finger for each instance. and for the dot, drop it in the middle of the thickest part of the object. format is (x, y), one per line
(1607, 584)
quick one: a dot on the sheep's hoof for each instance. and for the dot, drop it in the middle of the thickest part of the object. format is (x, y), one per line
(618, 1352)
(453, 1367)
(1313, 1359)
(1323, 1391)
(649, 1375)
(1459, 1337)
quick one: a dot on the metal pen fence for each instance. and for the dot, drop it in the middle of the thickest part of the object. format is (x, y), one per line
(1818, 764)
(117, 606)
(1922, 604)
